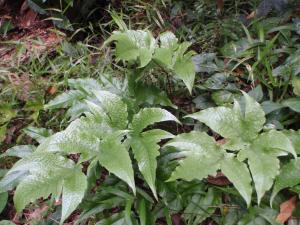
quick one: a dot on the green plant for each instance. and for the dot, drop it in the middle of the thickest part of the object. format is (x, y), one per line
(140, 47)
(104, 135)
(246, 146)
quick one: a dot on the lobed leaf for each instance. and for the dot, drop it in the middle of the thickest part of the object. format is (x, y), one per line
(202, 156)
(234, 123)
(238, 173)
(149, 116)
(115, 158)
(145, 149)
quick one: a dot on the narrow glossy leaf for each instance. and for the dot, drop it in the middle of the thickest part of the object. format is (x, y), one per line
(289, 176)
(3, 201)
(145, 150)
(73, 192)
(293, 104)
(115, 108)
(202, 156)
(264, 168)
(269, 106)
(198, 208)
(238, 173)
(115, 158)
(19, 151)
(149, 116)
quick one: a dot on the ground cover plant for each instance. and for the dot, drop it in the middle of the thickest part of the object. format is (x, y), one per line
(159, 112)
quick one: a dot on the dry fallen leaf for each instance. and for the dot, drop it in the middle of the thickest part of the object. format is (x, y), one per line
(176, 219)
(220, 179)
(251, 15)
(286, 209)
(52, 90)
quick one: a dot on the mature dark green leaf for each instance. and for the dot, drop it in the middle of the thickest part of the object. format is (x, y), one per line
(293, 104)
(3, 200)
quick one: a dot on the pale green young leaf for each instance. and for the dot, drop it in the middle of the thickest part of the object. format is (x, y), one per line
(202, 156)
(86, 85)
(168, 44)
(19, 151)
(41, 163)
(74, 188)
(184, 69)
(168, 40)
(289, 176)
(264, 168)
(9, 182)
(81, 136)
(198, 142)
(149, 116)
(271, 141)
(36, 186)
(164, 57)
(196, 166)
(45, 176)
(232, 122)
(65, 99)
(115, 108)
(254, 116)
(115, 158)
(134, 45)
(38, 134)
(238, 173)
(145, 149)
(223, 120)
